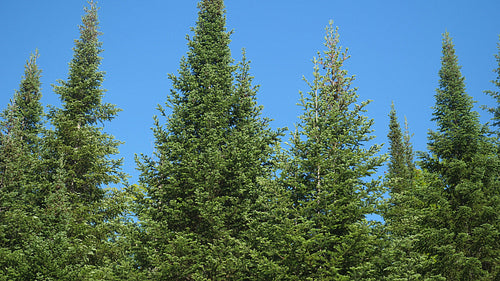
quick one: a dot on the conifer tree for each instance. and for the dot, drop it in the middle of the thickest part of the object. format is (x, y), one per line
(461, 224)
(401, 153)
(21, 128)
(76, 240)
(401, 169)
(496, 94)
(84, 149)
(326, 171)
(401, 260)
(20, 150)
(396, 164)
(409, 154)
(204, 183)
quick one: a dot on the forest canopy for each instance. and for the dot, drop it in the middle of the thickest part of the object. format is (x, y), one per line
(227, 196)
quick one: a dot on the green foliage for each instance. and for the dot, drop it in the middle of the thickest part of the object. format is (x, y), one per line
(496, 94)
(400, 168)
(21, 126)
(74, 221)
(220, 200)
(325, 175)
(461, 224)
(403, 180)
(79, 145)
(203, 184)
(20, 173)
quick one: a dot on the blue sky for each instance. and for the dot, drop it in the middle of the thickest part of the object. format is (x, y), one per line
(395, 49)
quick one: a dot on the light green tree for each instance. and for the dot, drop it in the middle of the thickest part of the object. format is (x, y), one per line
(327, 174)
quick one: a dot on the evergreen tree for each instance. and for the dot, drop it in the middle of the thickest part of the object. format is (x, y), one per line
(397, 164)
(326, 176)
(20, 172)
(408, 149)
(401, 260)
(496, 94)
(21, 129)
(400, 167)
(84, 149)
(204, 183)
(76, 239)
(461, 225)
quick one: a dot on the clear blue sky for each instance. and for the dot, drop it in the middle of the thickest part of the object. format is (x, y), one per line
(395, 49)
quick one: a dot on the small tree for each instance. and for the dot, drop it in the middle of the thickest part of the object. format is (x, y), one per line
(402, 212)
(20, 166)
(21, 129)
(401, 167)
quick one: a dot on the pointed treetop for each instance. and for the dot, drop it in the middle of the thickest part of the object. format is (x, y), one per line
(82, 93)
(396, 145)
(90, 23)
(408, 147)
(213, 5)
(450, 72)
(458, 125)
(25, 108)
(210, 44)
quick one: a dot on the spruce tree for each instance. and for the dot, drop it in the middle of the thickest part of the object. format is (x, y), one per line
(461, 224)
(204, 183)
(84, 148)
(496, 94)
(408, 149)
(400, 167)
(76, 240)
(21, 129)
(401, 260)
(329, 161)
(20, 164)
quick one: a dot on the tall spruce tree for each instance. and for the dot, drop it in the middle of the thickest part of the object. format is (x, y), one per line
(20, 164)
(461, 225)
(84, 149)
(326, 173)
(76, 241)
(204, 183)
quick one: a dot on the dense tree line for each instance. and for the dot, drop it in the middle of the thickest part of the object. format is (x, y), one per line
(220, 199)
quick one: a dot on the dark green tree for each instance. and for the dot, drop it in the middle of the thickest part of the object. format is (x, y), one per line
(400, 167)
(76, 239)
(326, 175)
(404, 182)
(20, 166)
(460, 228)
(21, 128)
(204, 183)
